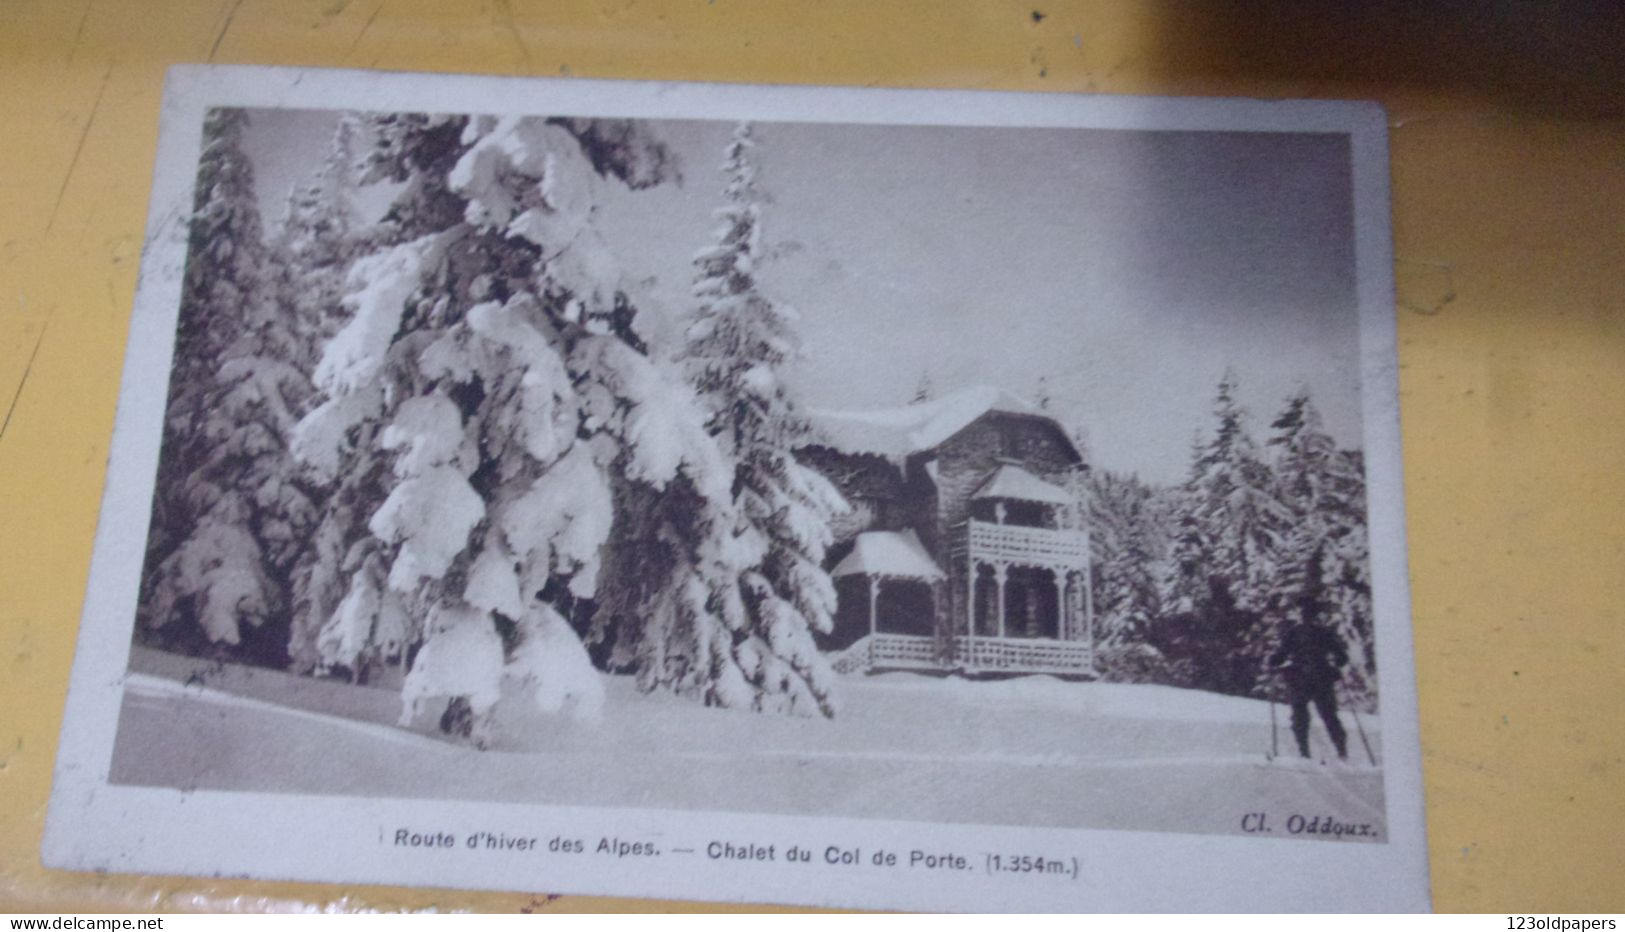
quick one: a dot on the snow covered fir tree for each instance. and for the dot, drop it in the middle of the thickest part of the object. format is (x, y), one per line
(231, 510)
(441, 431)
(741, 586)
(491, 357)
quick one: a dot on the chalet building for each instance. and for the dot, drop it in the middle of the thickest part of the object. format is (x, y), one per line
(965, 549)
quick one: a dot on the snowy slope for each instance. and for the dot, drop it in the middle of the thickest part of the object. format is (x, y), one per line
(1026, 751)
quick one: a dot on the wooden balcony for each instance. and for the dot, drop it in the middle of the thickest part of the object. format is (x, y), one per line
(1022, 546)
(965, 654)
(890, 652)
(1023, 655)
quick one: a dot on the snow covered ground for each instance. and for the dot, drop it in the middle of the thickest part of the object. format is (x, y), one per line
(1026, 751)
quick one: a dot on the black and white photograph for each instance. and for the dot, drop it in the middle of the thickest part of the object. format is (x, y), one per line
(760, 457)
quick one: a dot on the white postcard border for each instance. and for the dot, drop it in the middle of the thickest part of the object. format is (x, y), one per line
(94, 825)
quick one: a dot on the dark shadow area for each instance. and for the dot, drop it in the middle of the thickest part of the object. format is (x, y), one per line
(1562, 59)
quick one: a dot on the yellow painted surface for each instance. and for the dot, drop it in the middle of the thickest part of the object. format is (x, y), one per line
(1509, 212)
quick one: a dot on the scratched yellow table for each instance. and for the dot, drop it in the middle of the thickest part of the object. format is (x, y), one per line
(1509, 213)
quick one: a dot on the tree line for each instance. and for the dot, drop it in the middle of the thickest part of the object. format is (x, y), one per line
(1194, 583)
(437, 447)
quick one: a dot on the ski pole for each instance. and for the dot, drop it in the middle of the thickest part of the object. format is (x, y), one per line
(1357, 725)
(1275, 748)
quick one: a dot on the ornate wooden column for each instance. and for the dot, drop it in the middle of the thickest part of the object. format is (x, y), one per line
(1001, 572)
(874, 597)
(970, 609)
(1063, 617)
(940, 634)
(1089, 610)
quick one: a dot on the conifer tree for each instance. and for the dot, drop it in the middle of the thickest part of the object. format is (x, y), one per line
(1303, 453)
(319, 237)
(1235, 501)
(229, 520)
(1222, 561)
(1349, 584)
(476, 403)
(1324, 570)
(1126, 597)
(320, 240)
(745, 614)
(1184, 586)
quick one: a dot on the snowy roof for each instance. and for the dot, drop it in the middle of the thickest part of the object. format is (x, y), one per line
(1013, 482)
(888, 553)
(898, 432)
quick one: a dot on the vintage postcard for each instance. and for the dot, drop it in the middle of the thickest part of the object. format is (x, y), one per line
(915, 499)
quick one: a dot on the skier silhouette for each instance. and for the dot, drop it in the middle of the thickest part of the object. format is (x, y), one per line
(1310, 658)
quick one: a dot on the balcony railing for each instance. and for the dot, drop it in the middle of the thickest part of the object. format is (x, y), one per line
(1022, 655)
(968, 654)
(1022, 546)
(890, 652)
